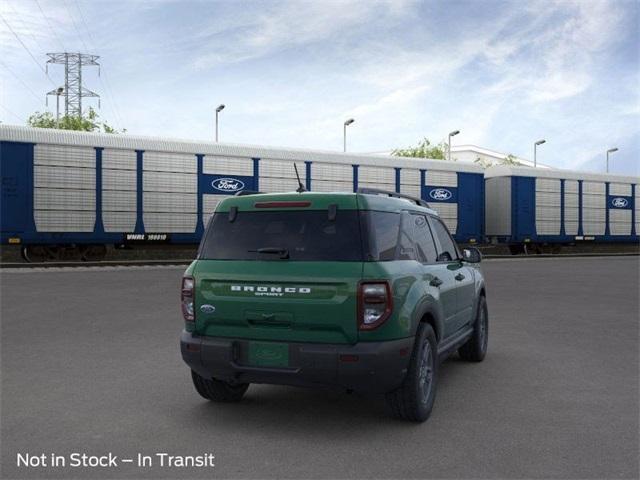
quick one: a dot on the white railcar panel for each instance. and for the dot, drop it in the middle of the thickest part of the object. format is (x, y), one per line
(119, 180)
(441, 179)
(65, 177)
(210, 203)
(64, 199)
(619, 222)
(620, 189)
(274, 185)
(409, 176)
(213, 164)
(119, 221)
(169, 222)
(593, 228)
(64, 156)
(169, 182)
(64, 220)
(571, 200)
(448, 212)
(594, 201)
(594, 187)
(270, 168)
(379, 186)
(570, 186)
(548, 199)
(377, 175)
(119, 201)
(413, 190)
(119, 159)
(570, 228)
(169, 162)
(547, 227)
(331, 186)
(331, 171)
(547, 185)
(170, 202)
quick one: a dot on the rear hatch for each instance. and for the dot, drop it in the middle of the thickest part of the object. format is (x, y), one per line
(280, 273)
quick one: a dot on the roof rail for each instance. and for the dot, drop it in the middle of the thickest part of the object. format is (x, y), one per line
(242, 193)
(378, 191)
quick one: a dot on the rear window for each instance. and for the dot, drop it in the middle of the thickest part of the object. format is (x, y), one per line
(292, 235)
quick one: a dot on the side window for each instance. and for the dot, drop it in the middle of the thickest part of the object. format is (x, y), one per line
(384, 229)
(447, 250)
(425, 246)
(406, 249)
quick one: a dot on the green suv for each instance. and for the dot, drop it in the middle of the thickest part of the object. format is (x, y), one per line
(362, 291)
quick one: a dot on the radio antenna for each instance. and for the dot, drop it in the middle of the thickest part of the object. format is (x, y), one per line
(300, 188)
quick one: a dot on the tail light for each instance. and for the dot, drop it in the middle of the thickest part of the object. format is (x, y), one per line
(186, 297)
(375, 304)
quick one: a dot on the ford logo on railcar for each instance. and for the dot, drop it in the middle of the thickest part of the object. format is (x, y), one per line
(619, 202)
(228, 184)
(440, 194)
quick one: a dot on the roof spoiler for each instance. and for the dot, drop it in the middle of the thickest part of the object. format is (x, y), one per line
(242, 193)
(377, 191)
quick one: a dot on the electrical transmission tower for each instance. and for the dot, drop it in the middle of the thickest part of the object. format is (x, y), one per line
(73, 90)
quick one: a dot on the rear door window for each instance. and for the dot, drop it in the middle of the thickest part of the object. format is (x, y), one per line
(447, 249)
(284, 235)
(425, 246)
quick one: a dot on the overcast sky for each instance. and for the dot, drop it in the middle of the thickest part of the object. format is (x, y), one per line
(504, 73)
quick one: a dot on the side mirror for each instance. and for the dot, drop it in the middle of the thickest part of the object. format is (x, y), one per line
(472, 255)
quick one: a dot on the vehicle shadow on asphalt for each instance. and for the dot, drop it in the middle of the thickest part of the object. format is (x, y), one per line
(302, 409)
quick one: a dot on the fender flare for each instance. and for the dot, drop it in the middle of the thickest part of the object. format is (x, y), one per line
(431, 310)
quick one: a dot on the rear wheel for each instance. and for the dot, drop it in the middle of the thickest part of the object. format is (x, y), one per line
(414, 399)
(476, 347)
(217, 390)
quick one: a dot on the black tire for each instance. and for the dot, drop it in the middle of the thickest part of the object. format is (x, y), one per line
(217, 390)
(476, 347)
(414, 399)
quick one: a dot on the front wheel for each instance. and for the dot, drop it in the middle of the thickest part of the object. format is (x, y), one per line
(217, 390)
(476, 347)
(414, 399)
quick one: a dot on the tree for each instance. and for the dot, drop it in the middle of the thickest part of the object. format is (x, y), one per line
(508, 160)
(424, 149)
(86, 123)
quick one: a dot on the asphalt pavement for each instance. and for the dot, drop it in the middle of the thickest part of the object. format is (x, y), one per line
(91, 364)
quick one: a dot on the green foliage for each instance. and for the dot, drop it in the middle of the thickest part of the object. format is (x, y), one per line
(424, 149)
(86, 123)
(508, 160)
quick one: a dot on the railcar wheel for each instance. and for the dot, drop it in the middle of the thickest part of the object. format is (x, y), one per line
(93, 253)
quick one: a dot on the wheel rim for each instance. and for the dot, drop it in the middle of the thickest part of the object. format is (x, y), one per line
(426, 372)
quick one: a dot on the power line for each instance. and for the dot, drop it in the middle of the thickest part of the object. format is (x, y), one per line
(73, 21)
(24, 26)
(20, 80)
(50, 26)
(27, 49)
(106, 84)
(9, 111)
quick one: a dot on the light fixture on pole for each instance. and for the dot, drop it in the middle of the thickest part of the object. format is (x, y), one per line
(451, 134)
(218, 110)
(611, 150)
(344, 133)
(58, 93)
(535, 147)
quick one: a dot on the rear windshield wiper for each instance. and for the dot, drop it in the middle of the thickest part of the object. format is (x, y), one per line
(283, 252)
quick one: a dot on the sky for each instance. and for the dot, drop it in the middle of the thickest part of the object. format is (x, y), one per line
(504, 73)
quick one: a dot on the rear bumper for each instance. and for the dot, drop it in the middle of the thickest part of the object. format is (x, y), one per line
(380, 366)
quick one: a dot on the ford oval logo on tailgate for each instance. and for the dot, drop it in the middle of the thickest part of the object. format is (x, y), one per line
(206, 308)
(228, 184)
(619, 202)
(440, 194)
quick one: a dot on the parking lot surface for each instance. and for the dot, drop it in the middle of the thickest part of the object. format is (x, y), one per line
(91, 364)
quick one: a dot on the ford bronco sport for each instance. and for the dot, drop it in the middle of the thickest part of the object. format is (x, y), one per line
(362, 291)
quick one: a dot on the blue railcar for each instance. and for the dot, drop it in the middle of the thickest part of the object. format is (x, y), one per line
(554, 207)
(82, 191)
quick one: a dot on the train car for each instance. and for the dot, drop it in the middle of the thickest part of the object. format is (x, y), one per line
(66, 191)
(545, 208)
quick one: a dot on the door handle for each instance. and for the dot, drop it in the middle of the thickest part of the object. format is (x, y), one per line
(459, 277)
(435, 282)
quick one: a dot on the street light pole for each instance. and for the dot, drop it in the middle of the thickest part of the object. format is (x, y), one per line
(451, 134)
(344, 133)
(58, 93)
(611, 150)
(218, 110)
(535, 146)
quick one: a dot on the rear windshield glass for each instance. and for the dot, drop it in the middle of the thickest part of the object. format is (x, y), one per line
(284, 235)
